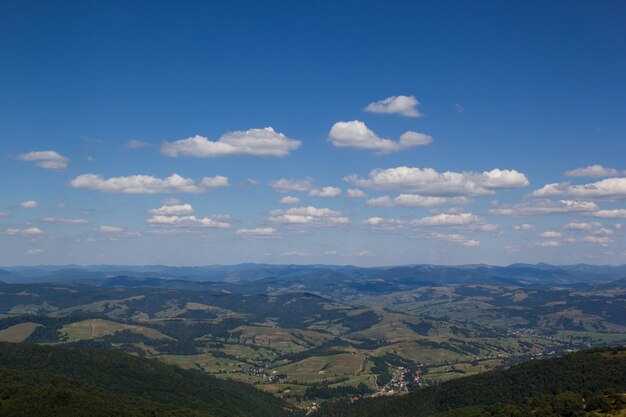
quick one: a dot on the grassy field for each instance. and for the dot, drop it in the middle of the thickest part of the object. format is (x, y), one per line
(93, 329)
(18, 333)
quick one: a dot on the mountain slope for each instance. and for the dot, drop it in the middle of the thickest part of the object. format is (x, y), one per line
(65, 382)
(581, 372)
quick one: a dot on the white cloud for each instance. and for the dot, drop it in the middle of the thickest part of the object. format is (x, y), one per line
(543, 207)
(28, 204)
(411, 138)
(257, 232)
(428, 181)
(109, 229)
(325, 192)
(404, 105)
(293, 253)
(593, 171)
(582, 225)
(549, 244)
(35, 251)
(608, 189)
(308, 216)
(610, 214)
(252, 181)
(603, 232)
(414, 200)
(146, 184)
(188, 221)
(379, 223)
(551, 234)
(356, 193)
(525, 227)
(355, 134)
(364, 253)
(64, 221)
(307, 185)
(255, 142)
(602, 241)
(214, 182)
(27, 232)
(172, 210)
(284, 185)
(45, 159)
(135, 144)
(289, 200)
(454, 238)
(4, 214)
(444, 219)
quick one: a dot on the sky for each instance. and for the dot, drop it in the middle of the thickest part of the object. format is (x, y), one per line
(364, 132)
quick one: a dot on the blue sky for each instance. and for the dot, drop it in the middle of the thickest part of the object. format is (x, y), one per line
(442, 132)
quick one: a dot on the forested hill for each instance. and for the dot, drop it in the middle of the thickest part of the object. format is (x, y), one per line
(48, 381)
(570, 385)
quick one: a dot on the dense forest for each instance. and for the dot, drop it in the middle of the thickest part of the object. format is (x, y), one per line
(572, 385)
(48, 381)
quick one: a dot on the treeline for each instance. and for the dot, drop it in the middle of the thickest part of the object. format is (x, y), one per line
(582, 373)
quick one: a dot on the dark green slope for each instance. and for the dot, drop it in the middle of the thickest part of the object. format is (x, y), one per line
(47, 381)
(553, 380)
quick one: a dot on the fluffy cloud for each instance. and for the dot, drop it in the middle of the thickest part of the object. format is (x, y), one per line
(414, 200)
(45, 159)
(602, 241)
(549, 244)
(610, 214)
(188, 221)
(379, 223)
(325, 192)
(255, 142)
(28, 204)
(593, 171)
(404, 105)
(444, 219)
(308, 216)
(551, 234)
(285, 185)
(355, 134)
(428, 181)
(454, 238)
(582, 225)
(146, 184)
(109, 229)
(356, 193)
(307, 185)
(257, 232)
(214, 182)
(289, 200)
(542, 207)
(525, 227)
(172, 210)
(64, 221)
(115, 232)
(607, 189)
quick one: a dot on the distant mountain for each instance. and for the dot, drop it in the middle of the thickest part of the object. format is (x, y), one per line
(47, 381)
(261, 277)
